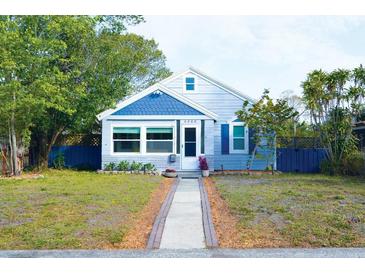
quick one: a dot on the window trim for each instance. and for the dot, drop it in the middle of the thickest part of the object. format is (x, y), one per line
(143, 137)
(231, 138)
(126, 140)
(170, 140)
(195, 83)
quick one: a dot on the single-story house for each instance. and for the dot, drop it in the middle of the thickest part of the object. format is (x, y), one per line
(173, 122)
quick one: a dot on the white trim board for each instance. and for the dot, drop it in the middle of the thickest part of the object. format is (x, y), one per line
(151, 89)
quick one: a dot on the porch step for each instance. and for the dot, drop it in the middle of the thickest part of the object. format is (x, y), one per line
(189, 174)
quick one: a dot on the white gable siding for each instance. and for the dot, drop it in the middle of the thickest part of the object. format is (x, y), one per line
(215, 99)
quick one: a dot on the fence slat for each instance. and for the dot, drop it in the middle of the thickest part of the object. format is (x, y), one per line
(304, 160)
(77, 156)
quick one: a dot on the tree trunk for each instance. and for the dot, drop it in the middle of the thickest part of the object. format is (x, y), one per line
(13, 147)
(252, 158)
(42, 147)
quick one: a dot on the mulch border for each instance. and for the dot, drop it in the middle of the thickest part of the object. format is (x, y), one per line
(211, 240)
(154, 239)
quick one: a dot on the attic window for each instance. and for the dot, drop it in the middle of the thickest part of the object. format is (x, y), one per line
(189, 83)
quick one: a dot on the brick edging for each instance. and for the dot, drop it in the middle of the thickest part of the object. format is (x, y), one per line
(154, 239)
(211, 240)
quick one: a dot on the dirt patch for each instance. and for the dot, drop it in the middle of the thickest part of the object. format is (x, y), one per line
(225, 223)
(22, 176)
(230, 232)
(142, 223)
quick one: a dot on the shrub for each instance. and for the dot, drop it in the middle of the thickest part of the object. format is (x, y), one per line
(326, 167)
(150, 167)
(110, 167)
(203, 164)
(59, 161)
(353, 164)
(135, 166)
(123, 165)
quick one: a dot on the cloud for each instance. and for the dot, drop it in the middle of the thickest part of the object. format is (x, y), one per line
(256, 52)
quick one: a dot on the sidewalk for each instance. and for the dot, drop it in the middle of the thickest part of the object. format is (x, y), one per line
(184, 227)
(191, 253)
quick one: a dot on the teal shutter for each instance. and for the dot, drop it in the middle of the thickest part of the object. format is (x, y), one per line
(225, 138)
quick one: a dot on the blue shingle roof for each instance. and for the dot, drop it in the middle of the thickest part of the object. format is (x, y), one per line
(158, 103)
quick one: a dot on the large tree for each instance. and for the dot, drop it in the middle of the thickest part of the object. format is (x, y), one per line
(75, 67)
(334, 99)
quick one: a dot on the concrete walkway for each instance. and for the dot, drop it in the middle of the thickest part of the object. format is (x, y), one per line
(184, 224)
(191, 253)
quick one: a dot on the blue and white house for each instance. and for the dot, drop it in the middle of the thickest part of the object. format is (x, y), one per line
(173, 122)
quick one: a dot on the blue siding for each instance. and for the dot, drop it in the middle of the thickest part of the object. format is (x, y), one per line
(77, 156)
(303, 160)
(225, 138)
(158, 104)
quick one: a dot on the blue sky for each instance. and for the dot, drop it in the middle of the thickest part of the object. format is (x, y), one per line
(251, 53)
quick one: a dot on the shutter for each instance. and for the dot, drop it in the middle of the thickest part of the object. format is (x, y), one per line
(225, 138)
(251, 140)
(202, 135)
(177, 136)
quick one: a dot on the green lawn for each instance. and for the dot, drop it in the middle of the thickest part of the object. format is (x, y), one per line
(297, 210)
(70, 209)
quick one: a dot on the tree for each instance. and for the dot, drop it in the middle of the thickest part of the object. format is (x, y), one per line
(266, 118)
(334, 100)
(104, 66)
(58, 72)
(24, 80)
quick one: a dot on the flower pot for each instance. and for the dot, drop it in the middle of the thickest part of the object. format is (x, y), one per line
(205, 173)
(169, 174)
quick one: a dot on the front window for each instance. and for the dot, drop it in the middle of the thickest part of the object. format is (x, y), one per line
(127, 139)
(159, 140)
(238, 137)
(190, 83)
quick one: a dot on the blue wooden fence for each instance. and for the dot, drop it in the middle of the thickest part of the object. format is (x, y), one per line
(84, 157)
(303, 160)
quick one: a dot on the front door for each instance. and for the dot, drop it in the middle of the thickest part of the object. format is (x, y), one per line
(189, 147)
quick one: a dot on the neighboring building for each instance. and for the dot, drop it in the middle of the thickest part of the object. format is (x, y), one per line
(173, 122)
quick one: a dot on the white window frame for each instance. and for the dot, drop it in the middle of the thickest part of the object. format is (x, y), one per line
(195, 83)
(143, 125)
(170, 140)
(126, 140)
(231, 150)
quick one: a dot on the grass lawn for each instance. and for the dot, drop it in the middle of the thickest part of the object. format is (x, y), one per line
(70, 209)
(296, 210)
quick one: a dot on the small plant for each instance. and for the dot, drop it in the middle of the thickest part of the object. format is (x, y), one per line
(123, 165)
(110, 166)
(150, 167)
(59, 161)
(203, 164)
(135, 166)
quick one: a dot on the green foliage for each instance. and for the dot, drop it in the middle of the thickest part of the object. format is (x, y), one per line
(150, 167)
(110, 166)
(136, 166)
(354, 164)
(334, 100)
(267, 118)
(123, 165)
(58, 72)
(59, 161)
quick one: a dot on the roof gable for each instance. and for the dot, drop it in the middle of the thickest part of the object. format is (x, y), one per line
(157, 103)
(158, 87)
(196, 72)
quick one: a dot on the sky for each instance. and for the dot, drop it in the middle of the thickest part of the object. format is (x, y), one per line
(251, 53)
